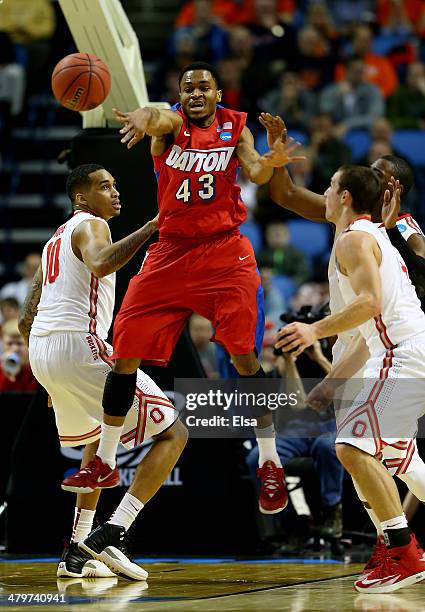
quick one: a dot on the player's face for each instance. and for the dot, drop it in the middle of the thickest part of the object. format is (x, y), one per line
(333, 196)
(199, 96)
(384, 168)
(103, 197)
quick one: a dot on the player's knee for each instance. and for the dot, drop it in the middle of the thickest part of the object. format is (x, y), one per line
(246, 365)
(119, 393)
(126, 366)
(348, 456)
(177, 434)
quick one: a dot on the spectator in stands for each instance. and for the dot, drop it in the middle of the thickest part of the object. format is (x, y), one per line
(280, 256)
(201, 331)
(12, 87)
(319, 17)
(406, 108)
(310, 294)
(301, 433)
(230, 73)
(397, 16)
(352, 103)
(268, 358)
(377, 149)
(378, 69)
(9, 309)
(348, 12)
(314, 60)
(291, 100)
(19, 289)
(301, 172)
(273, 38)
(249, 192)
(210, 39)
(327, 152)
(274, 300)
(15, 371)
(30, 24)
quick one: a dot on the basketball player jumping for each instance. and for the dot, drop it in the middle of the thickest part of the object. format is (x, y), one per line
(201, 263)
(381, 301)
(350, 351)
(67, 315)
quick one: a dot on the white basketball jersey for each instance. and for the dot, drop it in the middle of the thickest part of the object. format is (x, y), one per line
(72, 298)
(401, 316)
(407, 226)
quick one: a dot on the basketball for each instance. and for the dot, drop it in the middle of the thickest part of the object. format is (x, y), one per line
(81, 81)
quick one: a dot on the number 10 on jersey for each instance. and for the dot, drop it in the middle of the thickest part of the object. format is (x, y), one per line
(207, 191)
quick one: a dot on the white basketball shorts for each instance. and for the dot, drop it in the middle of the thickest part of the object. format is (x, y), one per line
(383, 418)
(72, 367)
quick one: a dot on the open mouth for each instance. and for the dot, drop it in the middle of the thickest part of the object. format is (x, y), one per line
(197, 105)
(117, 205)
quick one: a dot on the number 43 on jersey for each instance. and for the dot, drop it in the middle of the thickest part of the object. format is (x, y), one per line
(203, 187)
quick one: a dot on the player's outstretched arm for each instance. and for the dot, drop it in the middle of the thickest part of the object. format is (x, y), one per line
(299, 200)
(357, 257)
(29, 309)
(92, 244)
(147, 120)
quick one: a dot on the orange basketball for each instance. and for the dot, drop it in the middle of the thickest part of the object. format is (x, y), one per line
(81, 81)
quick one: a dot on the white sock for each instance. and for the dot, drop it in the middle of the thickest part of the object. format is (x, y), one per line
(108, 445)
(266, 440)
(127, 511)
(375, 520)
(83, 523)
(397, 522)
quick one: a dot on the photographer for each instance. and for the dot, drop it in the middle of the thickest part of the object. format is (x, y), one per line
(304, 433)
(15, 371)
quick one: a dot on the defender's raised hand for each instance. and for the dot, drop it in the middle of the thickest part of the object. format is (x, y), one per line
(391, 205)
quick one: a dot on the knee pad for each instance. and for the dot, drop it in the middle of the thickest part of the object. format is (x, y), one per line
(119, 393)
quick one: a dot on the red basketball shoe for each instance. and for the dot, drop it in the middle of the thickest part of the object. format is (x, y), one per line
(273, 493)
(95, 475)
(380, 551)
(402, 567)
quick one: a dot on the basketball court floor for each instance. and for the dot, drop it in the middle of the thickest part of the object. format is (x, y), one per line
(184, 585)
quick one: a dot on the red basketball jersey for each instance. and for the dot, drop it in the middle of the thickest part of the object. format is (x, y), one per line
(197, 191)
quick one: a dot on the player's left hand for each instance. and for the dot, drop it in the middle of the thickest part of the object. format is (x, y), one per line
(391, 205)
(296, 337)
(135, 125)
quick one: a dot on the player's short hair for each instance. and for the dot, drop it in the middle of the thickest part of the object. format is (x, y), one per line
(79, 178)
(402, 171)
(200, 66)
(364, 186)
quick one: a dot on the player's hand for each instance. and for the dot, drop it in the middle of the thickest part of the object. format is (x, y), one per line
(321, 396)
(391, 205)
(296, 337)
(135, 125)
(281, 154)
(275, 127)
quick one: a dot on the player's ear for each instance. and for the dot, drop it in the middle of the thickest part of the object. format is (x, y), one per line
(79, 198)
(219, 94)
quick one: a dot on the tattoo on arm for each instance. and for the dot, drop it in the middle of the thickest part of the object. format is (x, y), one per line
(119, 253)
(29, 309)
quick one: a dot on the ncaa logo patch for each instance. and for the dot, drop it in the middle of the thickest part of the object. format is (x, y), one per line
(225, 136)
(401, 228)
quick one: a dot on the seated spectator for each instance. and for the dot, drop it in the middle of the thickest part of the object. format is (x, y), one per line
(292, 101)
(19, 289)
(319, 16)
(201, 331)
(9, 309)
(406, 108)
(301, 172)
(233, 12)
(230, 74)
(280, 257)
(377, 149)
(378, 69)
(310, 294)
(30, 25)
(327, 152)
(273, 38)
(401, 16)
(15, 371)
(211, 41)
(302, 433)
(345, 13)
(353, 103)
(274, 300)
(314, 60)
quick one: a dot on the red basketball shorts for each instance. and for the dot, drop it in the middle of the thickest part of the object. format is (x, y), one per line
(216, 278)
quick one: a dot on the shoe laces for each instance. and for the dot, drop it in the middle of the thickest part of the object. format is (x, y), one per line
(270, 479)
(92, 468)
(387, 567)
(379, 553)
